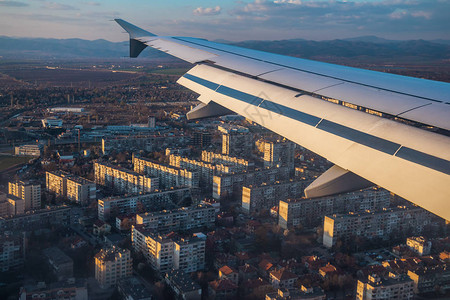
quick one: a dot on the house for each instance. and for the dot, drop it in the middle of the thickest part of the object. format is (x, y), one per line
(230, 273)
(327, 270)
(282, 278)
(257, 288)
(183, 286)
(222, 289)
(247, 272)
(101, 228)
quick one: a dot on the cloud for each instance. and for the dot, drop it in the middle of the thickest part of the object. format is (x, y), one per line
(13, 3)
(207, 11)
(58, 6)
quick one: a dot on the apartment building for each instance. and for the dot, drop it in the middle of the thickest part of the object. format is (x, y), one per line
(204, 169)
(4, 205)
(109, 208)
(16, 205)
(75, 188)
(30, 193)
(57, 216)
(310, 211)
(378, 224)
(184, 218)
(419, 244)
(277, 152)
(264, 196)
(111, 265)
(230, 185)
(168, 176)
(122, 180)
(11, 252)
(166, 252)
(393, 287)
(240, 164)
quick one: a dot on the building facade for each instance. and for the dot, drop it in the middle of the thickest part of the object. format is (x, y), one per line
(370, 225)
(310, 212)
(184, 218)
(264, 196)
(109, 208)
(30, 193)
(394, 287)
(124, 181)
(168, 176)
(111, 265)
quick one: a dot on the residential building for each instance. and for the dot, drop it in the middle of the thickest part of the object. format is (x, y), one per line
(81, 190)
(12, 252)
(4, 205)
(122, 180)
(310, 211)
(181, 219)
(183, 286)
(109, 208)
(28, 150)
(240, 164)
(222, 289)
(282, 278)
(304, 293)
(56, 216)
(56, 182)
(168, 176)
(374, 224)
(68, 290)
(205, 170)
(419, 244)
(227, 272)
(393, 287)
(429, 279)
(230, 185)
(132, 288)
(30, 193)
(16, 205)
(201, 139)
(278, 153)
(166, 252)
(263, 197)
(237, 144)
(111, 265)
(60, 263)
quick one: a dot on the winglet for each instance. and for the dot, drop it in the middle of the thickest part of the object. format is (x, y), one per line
(135, 32)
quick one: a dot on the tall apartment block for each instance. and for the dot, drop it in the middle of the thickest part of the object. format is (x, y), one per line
(16, 205)
(112, 207)
(56, 216)
(236, 140)
(204, 169)
(12, 252)
(185, 218)
(76, 189)
(111, 265)
(4, 205)
(227, 185)
(310, 211)
(393, 287)
(278, 153)
(147, 143)
(122, 180)
(265, 196)
(30, 193)
(168, 176)
(374, 224)
(240, 164)
(166, 253)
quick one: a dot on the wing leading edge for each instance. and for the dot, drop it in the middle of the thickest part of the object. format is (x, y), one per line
(286, 95)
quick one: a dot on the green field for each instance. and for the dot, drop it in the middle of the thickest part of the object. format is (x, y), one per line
(9, 161)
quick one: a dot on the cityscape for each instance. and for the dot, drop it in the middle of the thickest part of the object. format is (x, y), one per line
(224, 150)
(109, 192)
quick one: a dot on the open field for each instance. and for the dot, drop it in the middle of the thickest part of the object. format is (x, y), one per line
(7, 161)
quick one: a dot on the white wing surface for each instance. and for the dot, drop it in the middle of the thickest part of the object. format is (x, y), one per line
(387, 129)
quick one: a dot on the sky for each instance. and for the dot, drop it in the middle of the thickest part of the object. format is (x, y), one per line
(228, 20)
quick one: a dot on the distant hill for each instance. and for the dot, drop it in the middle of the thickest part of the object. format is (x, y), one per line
(367, 46)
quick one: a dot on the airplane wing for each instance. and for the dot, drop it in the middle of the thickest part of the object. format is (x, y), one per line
(386, 129)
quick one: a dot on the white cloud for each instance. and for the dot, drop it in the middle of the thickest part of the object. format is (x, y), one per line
(207, 11)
